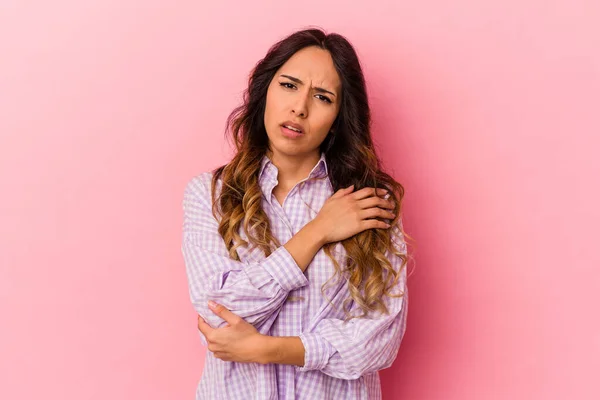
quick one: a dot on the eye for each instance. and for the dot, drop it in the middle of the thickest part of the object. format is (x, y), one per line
(287, 83)
(325, 98)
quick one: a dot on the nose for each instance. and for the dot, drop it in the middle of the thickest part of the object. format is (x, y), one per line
(301, 106)
(299, 113)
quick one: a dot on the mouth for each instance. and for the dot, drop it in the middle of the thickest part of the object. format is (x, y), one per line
(291, 132)
(292, 127)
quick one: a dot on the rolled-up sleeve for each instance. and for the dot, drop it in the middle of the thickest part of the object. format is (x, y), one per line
(349, 350)
(254, 291)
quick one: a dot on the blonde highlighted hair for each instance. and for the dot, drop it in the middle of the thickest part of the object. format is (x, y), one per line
(351, 159)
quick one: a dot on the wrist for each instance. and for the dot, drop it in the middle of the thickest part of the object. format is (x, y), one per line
(316, 233)
(267, 350)
(287, 350)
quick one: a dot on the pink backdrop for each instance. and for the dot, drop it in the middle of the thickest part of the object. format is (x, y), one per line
(487, 112)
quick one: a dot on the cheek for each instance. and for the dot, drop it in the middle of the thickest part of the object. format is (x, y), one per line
(323, 123)
(271, 111)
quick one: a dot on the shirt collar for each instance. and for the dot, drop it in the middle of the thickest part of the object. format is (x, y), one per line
(269, 171)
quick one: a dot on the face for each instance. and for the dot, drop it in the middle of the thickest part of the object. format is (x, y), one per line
(305, 91)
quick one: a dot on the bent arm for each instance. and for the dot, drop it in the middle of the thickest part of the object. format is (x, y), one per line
(337, 353)
(348, 350)
(351, 351)
(253, 290)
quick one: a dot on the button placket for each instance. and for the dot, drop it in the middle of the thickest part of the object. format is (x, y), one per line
(282, 216)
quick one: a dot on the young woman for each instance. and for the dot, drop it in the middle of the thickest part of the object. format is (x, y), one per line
(298, 240)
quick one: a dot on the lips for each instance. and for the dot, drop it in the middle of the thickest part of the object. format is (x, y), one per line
(294, 125)
(290, 133)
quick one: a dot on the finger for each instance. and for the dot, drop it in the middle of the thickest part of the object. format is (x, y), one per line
(203, 326)
(368, 192)
(343, 191)
(223, 312)
(375, 202)
(375, 212)
(374, 224)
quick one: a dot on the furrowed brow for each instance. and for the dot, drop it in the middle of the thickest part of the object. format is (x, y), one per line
(298, 81)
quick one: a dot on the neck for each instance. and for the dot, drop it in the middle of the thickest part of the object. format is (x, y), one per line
(293, 169)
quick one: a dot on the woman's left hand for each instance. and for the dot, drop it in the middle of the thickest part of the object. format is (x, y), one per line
(238, 341)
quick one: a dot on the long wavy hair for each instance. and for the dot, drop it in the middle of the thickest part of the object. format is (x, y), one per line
(351, 159)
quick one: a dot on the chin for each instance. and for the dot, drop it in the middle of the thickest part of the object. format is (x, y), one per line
(288, 149)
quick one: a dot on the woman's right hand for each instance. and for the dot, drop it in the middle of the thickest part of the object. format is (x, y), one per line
(347, 213)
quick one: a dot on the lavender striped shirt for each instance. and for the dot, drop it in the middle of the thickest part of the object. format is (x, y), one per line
(273, 294)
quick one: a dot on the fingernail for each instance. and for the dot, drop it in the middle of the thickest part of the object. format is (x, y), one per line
(212, 304)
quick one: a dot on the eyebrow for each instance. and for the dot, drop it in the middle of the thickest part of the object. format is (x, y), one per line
(318, 89)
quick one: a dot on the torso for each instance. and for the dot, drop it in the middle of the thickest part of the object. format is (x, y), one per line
(280, 192)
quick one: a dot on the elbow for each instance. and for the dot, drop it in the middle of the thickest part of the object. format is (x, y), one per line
(347, 371)
(350, 375)
(362, 369)
(357, 371)
(386, 356)
(369, 363)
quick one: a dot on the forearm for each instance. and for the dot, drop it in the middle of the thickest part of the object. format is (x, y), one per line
(305, 244)
(253, 291)
(282, 350)
(287, 269)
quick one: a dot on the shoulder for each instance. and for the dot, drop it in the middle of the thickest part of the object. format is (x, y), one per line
(198, 188)
(200, 182)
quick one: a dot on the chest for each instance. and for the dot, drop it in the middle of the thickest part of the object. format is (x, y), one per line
(287, 216)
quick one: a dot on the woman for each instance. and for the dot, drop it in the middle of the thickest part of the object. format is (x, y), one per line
(298, 240)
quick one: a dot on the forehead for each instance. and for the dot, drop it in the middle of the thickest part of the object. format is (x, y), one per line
(313, 66)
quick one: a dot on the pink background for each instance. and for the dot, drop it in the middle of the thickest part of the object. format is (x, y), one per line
(487, 112)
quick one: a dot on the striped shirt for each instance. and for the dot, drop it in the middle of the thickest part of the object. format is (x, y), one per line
(273, 294)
